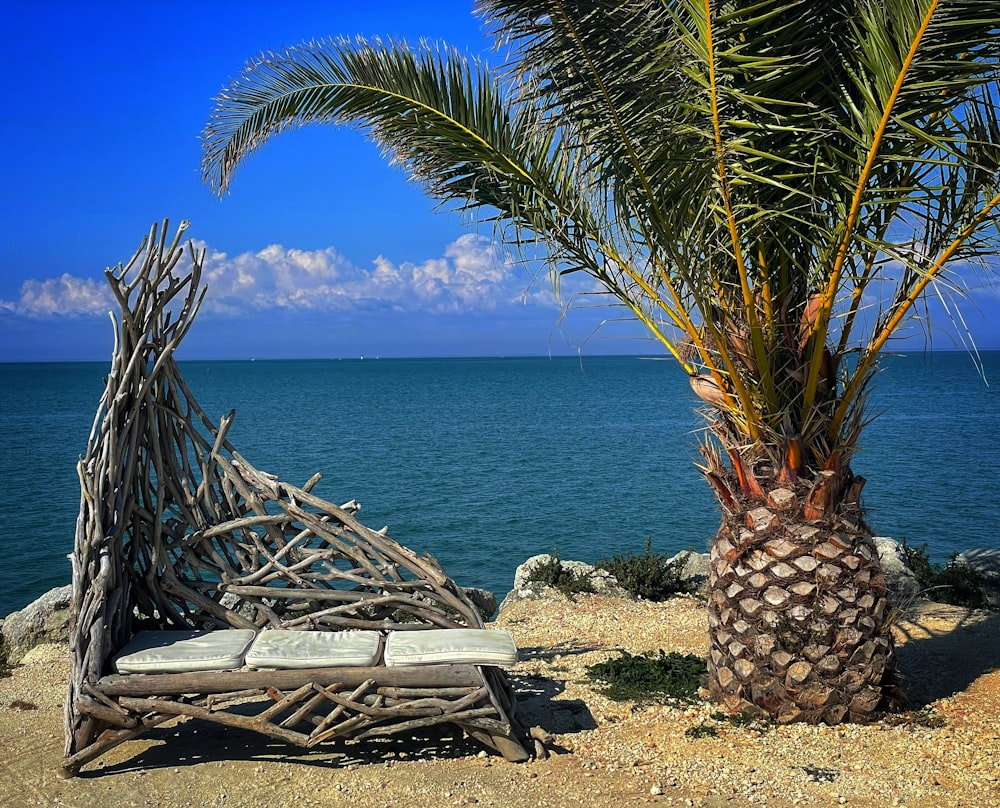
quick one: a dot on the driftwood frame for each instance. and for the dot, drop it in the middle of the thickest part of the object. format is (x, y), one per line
(177, 530)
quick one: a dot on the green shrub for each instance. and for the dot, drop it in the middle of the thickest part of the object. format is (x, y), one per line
(651, 576)
(817, 774)
(927, 716)
(552, 573)
(702, 731)
(646, 678)
(955, 583)
(744, 720)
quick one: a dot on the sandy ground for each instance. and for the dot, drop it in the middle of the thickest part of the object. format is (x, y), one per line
(607, 754)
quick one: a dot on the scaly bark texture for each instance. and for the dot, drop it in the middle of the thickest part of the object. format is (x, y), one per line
(798, 611)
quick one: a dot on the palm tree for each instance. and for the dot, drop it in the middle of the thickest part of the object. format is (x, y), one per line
(773, 188)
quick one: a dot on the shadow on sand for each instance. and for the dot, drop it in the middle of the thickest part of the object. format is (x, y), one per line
(944, 649)
(192, 741)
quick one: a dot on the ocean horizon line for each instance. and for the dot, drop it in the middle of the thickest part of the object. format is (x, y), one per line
(452, 357)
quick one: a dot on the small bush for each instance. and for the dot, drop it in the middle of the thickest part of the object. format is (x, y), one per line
(645, 678)
(817, 774)
(702, 731)
(651, 576)
(927, 717)
(552, 573)
(953, 583)
(736, 719)
(20, 704)
(746, 720)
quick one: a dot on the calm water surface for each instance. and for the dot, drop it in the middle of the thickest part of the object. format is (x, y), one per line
(484, 462)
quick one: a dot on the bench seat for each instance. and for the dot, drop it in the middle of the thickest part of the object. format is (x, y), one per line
(184, 651)
(152, 652)
(469, 646)
(284, 649)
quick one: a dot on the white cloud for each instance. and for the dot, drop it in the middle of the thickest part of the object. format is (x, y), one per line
(63, 295)
(473, 275)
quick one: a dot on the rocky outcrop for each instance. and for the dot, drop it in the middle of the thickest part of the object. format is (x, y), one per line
(695, 569)
(44, 621)
(482, 599)
(602, 581)
(903, 585)
(984, 559)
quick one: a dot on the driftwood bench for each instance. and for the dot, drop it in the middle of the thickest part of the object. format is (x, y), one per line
(203, 587)
(306, 687)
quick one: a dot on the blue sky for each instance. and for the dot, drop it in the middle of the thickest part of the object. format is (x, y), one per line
(100, 135)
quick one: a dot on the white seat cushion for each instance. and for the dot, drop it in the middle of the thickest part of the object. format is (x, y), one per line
(471, 646)
(280, 648)
(184, 651)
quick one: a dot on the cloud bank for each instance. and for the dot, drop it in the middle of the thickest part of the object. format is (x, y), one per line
(63, 295)
(472, 275)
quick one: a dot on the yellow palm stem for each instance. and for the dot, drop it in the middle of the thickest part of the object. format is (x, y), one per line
(765, 289)
(830, 295)
(756, 334)
(878, 343)
(677, 312)
(678, 316)
(657, 332)
(684, 322)
(750, 415)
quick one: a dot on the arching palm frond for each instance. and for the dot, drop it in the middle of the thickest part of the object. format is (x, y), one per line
(434, 112)
(449, 123)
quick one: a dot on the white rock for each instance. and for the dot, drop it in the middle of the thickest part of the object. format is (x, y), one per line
(44, 621)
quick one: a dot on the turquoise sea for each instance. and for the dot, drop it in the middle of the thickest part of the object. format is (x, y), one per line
(484, 462)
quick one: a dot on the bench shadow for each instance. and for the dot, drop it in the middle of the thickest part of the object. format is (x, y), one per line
(945, 649)
(193, 741)
(537, 701)
(537, 706)
(547, 653)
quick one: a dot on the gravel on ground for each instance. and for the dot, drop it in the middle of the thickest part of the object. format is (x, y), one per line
(605, 753)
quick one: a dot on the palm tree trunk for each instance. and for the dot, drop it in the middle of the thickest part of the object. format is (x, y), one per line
(798, 610)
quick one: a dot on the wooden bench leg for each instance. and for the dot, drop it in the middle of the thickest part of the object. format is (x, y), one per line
(499, 736)
(510, 748)
(108, 739)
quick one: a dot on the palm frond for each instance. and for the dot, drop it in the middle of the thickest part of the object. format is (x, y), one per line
(743, 177)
